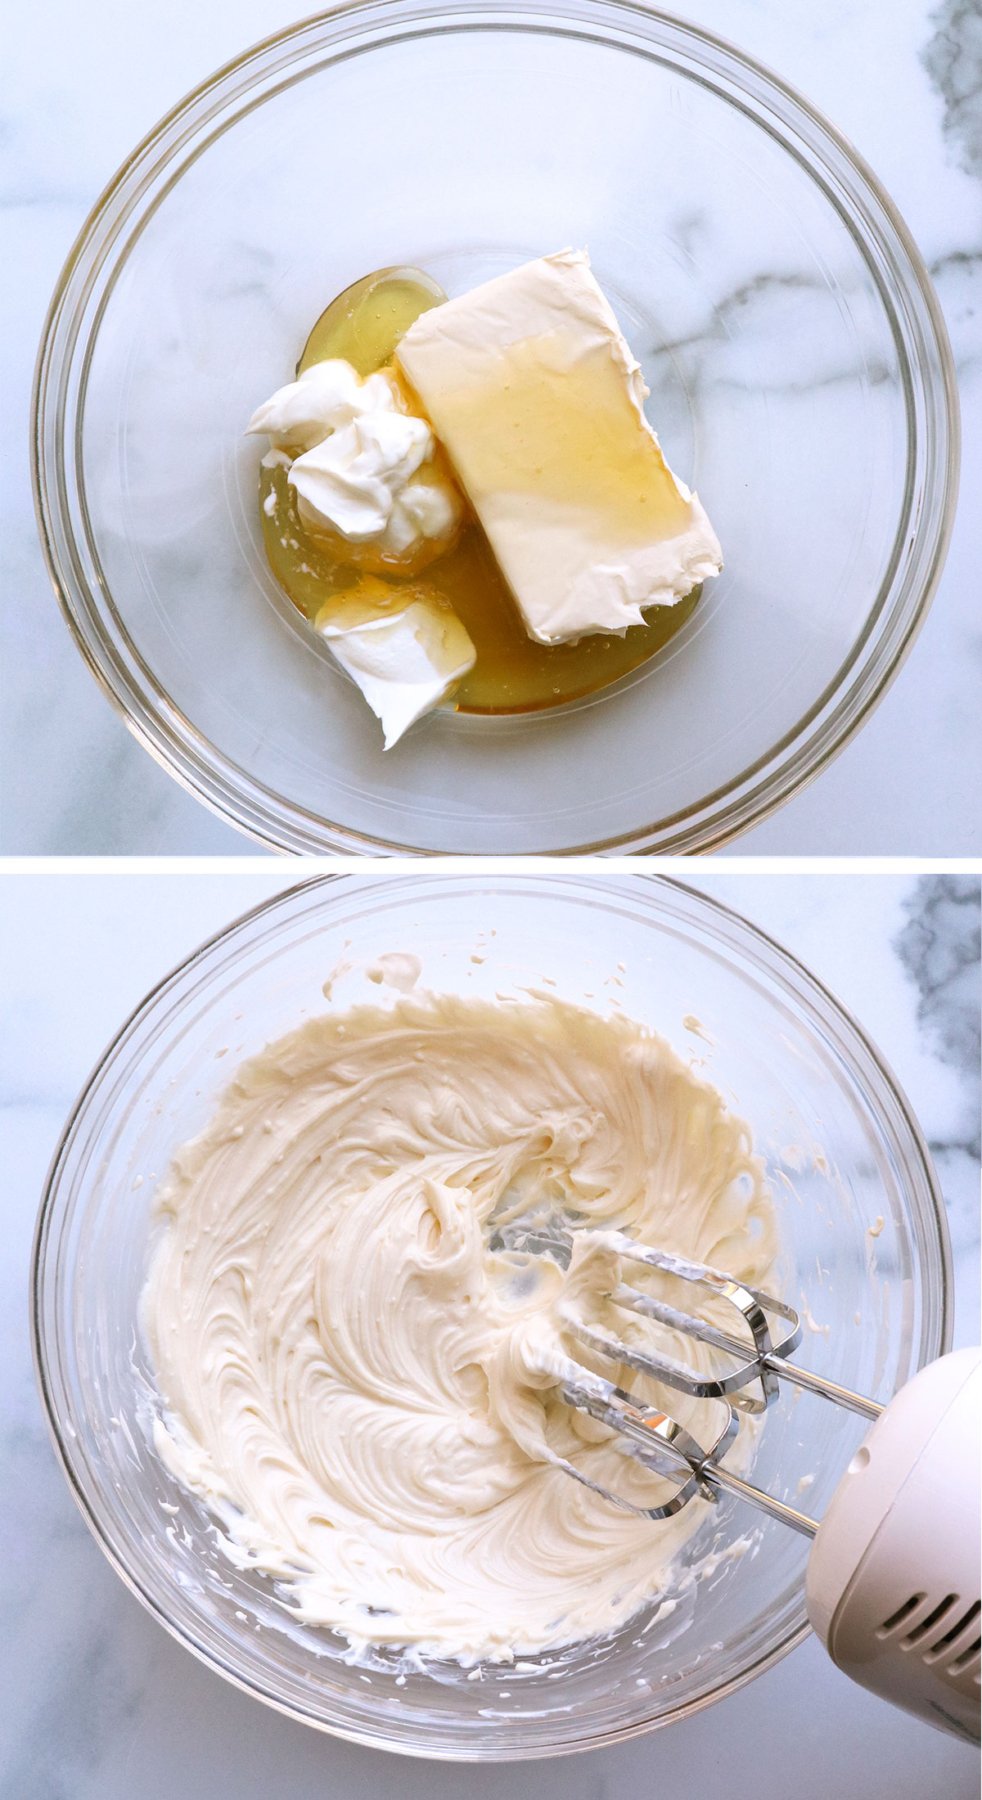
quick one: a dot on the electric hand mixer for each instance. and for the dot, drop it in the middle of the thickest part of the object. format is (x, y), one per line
(893, 1585)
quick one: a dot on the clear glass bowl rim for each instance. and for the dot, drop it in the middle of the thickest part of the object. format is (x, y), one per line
(882, 1092)
(929, 383)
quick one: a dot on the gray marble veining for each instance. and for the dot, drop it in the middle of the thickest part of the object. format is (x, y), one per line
(939, 949)
(953, 60)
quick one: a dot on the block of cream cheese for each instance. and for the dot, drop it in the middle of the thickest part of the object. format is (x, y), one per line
(539, 404)
(404, 662)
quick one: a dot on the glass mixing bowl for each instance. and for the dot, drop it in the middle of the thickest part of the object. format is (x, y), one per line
(843, 1152)
(800, 378)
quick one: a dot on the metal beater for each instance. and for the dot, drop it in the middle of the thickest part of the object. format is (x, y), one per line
(893, 1580)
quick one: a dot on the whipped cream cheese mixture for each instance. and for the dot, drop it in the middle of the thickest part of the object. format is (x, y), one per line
(366, 1393)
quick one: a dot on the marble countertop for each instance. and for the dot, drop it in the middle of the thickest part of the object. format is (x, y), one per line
(102, 1704)
(81, 85)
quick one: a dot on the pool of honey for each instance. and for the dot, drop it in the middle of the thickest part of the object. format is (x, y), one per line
(512, 674)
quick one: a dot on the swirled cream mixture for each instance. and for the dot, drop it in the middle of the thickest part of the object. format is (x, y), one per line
(363, 1391)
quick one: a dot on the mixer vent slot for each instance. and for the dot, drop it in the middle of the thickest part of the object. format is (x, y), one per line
(918, 1633)
(954, 1632)
(963, 1663)
(902, 1613)
(965, 1654)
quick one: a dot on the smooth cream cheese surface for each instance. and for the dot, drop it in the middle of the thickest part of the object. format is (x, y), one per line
(535, 396)
(364, 1392)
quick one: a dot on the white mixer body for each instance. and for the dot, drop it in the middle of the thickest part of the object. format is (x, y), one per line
(893, 1581)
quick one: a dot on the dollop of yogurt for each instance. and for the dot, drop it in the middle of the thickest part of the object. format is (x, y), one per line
(361, 463)
(404, 661)
(359, 1377)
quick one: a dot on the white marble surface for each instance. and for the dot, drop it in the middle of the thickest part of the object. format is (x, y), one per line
(80, 85)
(101, 1704)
